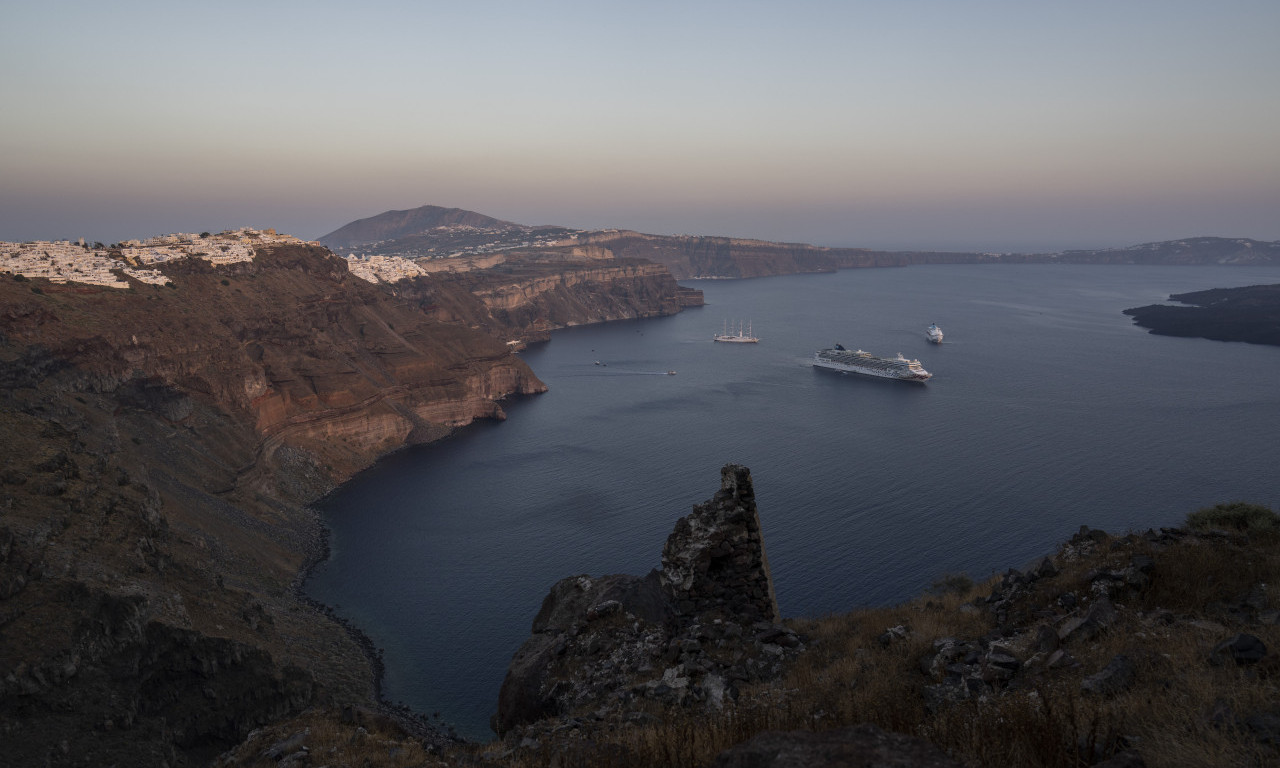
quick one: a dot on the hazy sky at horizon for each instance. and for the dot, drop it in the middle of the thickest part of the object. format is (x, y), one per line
(913, 124)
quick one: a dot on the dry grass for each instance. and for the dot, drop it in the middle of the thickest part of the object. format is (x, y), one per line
(329, 740)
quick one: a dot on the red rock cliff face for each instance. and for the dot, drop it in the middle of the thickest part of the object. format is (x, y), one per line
(316, 358)
(562, 295)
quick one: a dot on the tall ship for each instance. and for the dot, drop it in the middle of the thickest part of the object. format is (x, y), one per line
(739, 338)
(840, 359)
(934, 333)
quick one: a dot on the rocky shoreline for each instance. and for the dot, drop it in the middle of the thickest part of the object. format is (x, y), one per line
(415, 724)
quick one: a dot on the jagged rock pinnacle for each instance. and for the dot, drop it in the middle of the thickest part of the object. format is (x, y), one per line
(714, 560)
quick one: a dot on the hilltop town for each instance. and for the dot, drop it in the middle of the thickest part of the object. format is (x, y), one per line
(62, 261)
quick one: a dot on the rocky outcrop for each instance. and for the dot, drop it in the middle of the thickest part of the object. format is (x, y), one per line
(714, 560)
(683, 636)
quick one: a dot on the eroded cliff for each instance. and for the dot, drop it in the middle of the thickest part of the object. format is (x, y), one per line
(158, 444)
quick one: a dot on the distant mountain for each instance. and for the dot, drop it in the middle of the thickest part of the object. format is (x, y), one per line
(1233, 251)
(394, 225)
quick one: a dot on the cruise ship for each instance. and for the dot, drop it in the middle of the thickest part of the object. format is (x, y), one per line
(934, 333)
(740, 338)
(840, 359)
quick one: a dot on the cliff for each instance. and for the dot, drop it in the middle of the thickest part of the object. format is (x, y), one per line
(160, 443)
(689, 256)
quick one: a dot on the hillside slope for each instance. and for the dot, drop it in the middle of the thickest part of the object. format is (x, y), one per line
(159, 442)
(392, 225)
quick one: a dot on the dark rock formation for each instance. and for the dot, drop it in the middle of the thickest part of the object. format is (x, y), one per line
(859, 746)
(714, 560)
(682, 636)
(1250, 314)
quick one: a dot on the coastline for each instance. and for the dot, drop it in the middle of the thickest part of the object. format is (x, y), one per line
(416, 724)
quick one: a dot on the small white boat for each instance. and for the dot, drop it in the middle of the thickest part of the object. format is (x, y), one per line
(934, 333)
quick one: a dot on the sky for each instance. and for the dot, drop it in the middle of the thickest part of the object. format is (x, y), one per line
(936, 124)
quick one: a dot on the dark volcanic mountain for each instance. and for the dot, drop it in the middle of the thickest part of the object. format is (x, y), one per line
(394, 225)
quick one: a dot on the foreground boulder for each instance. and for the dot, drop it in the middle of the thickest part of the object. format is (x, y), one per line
(684, 635)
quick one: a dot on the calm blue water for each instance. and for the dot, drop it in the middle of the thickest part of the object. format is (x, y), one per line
(1048, 409)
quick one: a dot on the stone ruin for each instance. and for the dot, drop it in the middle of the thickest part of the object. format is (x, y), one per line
(687, 635)
(714, 560)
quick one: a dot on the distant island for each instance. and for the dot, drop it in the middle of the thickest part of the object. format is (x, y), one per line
(1250, 314)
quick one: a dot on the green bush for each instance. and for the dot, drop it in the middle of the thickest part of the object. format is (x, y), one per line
(1235, 516)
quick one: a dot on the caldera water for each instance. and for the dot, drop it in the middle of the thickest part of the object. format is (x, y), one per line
(1048, 409)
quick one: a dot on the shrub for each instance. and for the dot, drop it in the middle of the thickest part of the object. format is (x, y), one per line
(1235, 516)
(20, 278)
(225, 281)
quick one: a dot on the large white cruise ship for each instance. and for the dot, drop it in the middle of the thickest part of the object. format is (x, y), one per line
(840, 359)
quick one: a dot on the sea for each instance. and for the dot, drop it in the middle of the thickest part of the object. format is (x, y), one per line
(1048, 409)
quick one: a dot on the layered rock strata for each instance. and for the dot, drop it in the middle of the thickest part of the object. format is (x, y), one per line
(680, 637)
